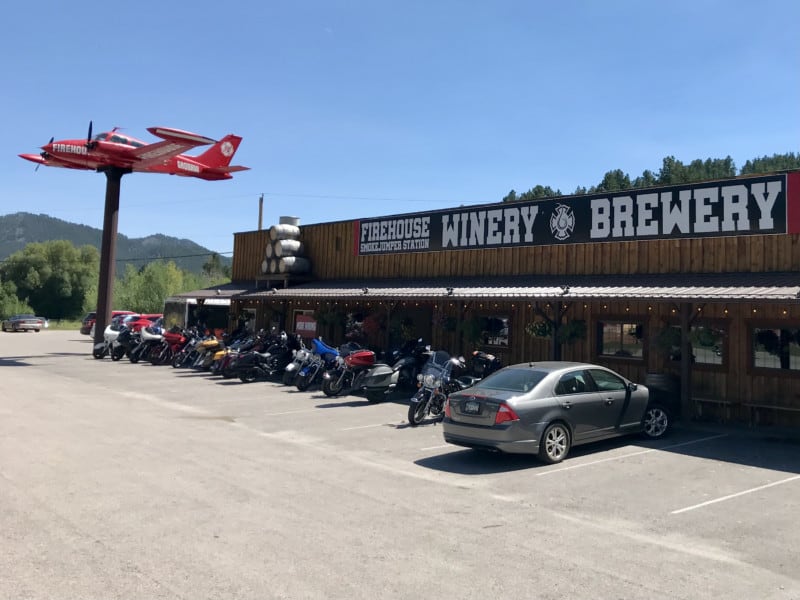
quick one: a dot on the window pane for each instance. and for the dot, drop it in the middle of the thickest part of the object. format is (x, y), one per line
(707, 344)
(620, 339)
(776, 348)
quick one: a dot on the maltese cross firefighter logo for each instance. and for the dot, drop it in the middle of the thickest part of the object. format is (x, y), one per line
(227, 149)
(562, 222)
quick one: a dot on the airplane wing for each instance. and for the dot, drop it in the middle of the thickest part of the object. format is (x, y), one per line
(175, 142)
(51, 162)
(227, 169)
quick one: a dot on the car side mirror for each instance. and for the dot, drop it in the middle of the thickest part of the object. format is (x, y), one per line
(632, 387)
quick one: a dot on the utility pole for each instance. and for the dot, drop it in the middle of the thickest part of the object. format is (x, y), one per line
(260, 210)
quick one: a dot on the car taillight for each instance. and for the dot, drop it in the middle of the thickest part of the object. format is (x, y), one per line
(447, 407)
(505, 413)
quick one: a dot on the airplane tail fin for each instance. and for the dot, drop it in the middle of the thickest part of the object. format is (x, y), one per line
(221, 153)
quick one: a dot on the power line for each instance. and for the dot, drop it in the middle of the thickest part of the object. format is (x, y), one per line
(150, 258)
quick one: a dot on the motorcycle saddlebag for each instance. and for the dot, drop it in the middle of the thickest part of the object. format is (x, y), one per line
(360, 358)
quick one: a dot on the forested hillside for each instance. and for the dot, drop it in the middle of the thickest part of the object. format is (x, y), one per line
(19, 229)
(672, 172)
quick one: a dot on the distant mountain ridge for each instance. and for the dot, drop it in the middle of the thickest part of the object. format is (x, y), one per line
(20, 229)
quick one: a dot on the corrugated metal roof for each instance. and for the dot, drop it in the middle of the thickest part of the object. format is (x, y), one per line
(675, 286)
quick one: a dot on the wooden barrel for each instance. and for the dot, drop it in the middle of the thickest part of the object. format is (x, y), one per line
(264, 266)
(273, 265)
(270, 251)
(288, 248)
(294, 264)
(284, 232)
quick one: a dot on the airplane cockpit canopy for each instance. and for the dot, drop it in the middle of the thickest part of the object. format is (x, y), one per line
(117, 139)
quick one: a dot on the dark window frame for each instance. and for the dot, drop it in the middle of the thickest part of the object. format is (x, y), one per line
(638, 321)
(751, 325)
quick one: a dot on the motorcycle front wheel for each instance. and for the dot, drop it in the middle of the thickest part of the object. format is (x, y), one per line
(417, 411)
(288, 377)
(332, 387)
(302, 382)
(117, 353)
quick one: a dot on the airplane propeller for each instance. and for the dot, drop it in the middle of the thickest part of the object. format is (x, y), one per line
(44, 154)
(89, 143)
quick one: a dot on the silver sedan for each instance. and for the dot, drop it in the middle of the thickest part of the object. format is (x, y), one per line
(545, 408)
(24, 323)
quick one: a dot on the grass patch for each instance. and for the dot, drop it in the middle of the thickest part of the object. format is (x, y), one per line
(64, 325)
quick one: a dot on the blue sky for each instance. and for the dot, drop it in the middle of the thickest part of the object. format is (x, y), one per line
(367, 108)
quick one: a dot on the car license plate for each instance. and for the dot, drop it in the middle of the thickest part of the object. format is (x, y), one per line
(471, 407)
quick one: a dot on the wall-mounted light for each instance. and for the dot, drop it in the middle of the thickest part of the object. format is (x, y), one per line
(449, 291)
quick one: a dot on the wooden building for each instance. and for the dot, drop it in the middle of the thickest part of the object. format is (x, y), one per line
(625, 279)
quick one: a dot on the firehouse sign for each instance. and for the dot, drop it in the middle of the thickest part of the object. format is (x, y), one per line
(737, 207)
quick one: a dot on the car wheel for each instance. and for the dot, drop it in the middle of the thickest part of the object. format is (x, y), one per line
(656, 422)
(555, 443)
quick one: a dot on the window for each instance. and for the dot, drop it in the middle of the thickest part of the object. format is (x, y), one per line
(512, 380)
(572, 383)
(605, 381)
(776, 348)
(707, 344)
(620, 340)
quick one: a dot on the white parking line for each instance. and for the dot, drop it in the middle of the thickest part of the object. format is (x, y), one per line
(602, 460)
(436, 447)
(289, 412)
(736, 495)
(363, 427)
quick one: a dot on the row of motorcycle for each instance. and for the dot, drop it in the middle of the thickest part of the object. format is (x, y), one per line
(429, 376)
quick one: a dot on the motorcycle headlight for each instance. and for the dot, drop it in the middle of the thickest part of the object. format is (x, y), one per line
(431, 381)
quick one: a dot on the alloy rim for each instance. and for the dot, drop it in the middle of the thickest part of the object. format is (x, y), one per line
(656, 422)
(556, 442)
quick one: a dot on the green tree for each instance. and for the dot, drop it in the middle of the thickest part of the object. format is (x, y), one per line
(214, 269)
(770, 164)
(613, 181)
(144, 290)
(10, 304)
(53, 277)
(646, 179)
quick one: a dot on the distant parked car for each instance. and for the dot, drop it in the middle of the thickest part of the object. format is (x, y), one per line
(24, 323)
(87, 327)
(88, 321)
(545, 408)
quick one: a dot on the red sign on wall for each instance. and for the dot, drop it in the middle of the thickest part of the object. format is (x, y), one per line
(305, 326)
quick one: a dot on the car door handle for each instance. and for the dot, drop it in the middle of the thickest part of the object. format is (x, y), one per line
(566, 404)
(609, 401)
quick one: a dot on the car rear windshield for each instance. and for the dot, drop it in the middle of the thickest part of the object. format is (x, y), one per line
(512, 380)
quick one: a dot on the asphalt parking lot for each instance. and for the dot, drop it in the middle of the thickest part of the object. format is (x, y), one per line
(122, 480)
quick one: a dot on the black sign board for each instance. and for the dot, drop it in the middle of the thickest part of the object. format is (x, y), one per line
(738, 207)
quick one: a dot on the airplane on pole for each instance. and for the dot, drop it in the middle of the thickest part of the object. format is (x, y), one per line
(113, 149)
(116, 155)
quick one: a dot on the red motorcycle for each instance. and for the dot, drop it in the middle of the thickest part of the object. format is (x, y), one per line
(348, 374)
(173, 342)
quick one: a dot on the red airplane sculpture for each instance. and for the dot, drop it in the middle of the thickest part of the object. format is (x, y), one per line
(112, 149)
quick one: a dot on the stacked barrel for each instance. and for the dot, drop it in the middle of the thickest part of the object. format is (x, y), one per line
(284, 252)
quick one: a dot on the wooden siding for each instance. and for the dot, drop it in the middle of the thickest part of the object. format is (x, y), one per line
(329, 247)
(735, 386)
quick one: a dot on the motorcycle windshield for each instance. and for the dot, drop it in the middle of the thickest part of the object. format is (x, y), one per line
(436, 369)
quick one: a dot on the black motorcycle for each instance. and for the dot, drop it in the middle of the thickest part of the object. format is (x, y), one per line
(252, 366)
(399, 372)
(438, 379)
